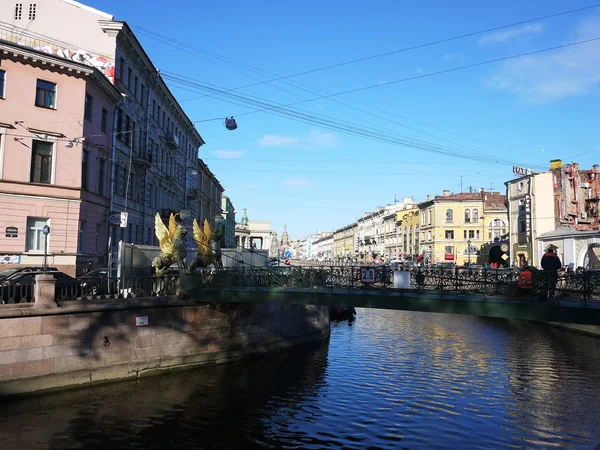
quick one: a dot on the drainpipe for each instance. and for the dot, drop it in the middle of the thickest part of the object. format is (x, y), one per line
(112, 181)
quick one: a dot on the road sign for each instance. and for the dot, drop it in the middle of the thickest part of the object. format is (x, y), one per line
(287, 254)
(368, 275)
(124, 220)
(114, 218)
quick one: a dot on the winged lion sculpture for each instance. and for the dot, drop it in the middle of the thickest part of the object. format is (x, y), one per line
(172, 245)
(209, 249)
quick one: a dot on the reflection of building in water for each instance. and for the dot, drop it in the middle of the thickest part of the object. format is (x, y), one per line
(252, 234)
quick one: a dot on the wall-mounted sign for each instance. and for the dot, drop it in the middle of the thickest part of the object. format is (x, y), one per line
(124, 219)
(114, 218)
(522, 171)
(10, 259)
(141, 321)
(12, 232)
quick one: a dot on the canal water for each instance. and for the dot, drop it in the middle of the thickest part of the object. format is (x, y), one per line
(390, 379)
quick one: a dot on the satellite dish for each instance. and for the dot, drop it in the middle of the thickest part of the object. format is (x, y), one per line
(230, 123)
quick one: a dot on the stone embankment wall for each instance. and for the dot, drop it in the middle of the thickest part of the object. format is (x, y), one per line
(85, 343)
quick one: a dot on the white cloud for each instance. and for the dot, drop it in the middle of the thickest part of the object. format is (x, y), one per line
(505, 35)
(228, 154)
(297, 182)
(322, 138)
(554, 75)
(273, 140)
(315, 138)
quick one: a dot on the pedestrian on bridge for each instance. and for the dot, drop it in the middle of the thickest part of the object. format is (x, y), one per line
(551, 265)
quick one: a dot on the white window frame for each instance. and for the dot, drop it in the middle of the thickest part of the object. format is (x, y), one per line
(27, 231)
(2, 143)
(50, 140)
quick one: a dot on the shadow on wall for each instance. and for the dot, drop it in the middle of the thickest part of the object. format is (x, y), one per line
(223, 406)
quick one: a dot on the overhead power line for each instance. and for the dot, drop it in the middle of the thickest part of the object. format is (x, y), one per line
(419, 46)
(343, 126)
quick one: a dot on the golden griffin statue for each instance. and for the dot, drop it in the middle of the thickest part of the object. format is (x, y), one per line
(172, 245)
(209, 249)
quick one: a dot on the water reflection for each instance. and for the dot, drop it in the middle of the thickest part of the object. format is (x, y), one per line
(389, 379)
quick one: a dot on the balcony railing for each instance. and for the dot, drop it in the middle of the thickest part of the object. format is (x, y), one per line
(170, 140)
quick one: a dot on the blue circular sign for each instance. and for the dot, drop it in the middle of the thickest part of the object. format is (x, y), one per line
(287, 254)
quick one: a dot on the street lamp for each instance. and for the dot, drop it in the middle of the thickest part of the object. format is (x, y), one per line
(184, 214)
(46, 231)
(469, 250)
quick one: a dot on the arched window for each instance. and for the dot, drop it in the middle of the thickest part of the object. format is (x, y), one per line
(498, 228)
(449, 216)
(472, 250)
(475, 215)
(467, 215)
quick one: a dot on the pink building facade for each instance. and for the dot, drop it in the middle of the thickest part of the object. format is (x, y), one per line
(56, 129)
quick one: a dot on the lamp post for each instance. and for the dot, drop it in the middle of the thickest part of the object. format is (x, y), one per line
(469, 251)
(46, 231)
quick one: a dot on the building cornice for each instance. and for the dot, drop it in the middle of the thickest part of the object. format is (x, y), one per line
(57, 64)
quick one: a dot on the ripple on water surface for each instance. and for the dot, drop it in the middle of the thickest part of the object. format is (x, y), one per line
(390, 379)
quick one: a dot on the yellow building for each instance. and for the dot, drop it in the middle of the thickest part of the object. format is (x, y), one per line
(343, 243)
(454, 227)
(407, 222)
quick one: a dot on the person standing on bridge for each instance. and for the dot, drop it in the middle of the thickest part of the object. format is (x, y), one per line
(551, 265)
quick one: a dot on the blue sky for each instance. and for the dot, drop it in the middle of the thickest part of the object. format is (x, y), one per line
(525, 111)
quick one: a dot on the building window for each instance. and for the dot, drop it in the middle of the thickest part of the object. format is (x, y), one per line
(449, 216)
(81, 237)
(18, 11)
(104, 121)
(429, 235)
(475, 215)
(467, 215)
(32, 8)
(2, 80)
(41, 162)
(130, 79)
(465, 234)
(45, 94)
(101, 177)
(521, 205)
(449, 234)
(88, 107)
(477, 234)
(429, 217)
(35, 240)
(498, 229)
(84, 169)
(135, 85)
(471, 234)
(449, 250)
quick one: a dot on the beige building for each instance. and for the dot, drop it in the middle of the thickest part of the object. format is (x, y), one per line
(407, 222)
(344, 243)
(454, 227)
(531, 215)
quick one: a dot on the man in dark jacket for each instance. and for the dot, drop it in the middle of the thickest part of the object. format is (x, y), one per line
(551, 265)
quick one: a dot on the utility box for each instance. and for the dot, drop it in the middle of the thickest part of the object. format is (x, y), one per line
(401, 280)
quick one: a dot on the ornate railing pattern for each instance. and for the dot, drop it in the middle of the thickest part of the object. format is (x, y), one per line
(583, 285)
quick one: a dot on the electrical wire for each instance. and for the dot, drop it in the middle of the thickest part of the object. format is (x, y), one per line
(415, 47)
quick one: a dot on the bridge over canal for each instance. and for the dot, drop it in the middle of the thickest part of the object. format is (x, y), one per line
(486, 293)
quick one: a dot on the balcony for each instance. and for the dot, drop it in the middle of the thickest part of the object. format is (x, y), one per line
(171, 141)
(142, 159)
